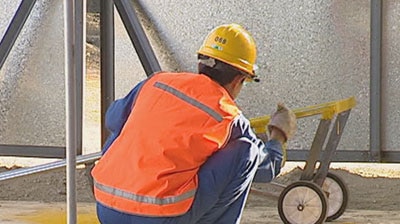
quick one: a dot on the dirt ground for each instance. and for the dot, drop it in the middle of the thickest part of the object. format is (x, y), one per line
(376, 190)
(374, 195)
(370, 188)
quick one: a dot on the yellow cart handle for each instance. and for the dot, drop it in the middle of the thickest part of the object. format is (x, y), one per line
(327, 111)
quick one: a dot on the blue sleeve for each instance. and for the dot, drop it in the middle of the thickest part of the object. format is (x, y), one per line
(270, 165)
(270, 153)
(117, 114)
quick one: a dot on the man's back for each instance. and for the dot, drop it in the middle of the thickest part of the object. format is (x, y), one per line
(177, 121)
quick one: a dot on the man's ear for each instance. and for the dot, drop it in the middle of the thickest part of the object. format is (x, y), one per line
(238, 80)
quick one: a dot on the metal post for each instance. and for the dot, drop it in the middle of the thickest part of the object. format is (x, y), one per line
(375, 80)
(107, 60)
(33, 151)
(80, 55)
(138, 36)
(70, 79)
(14, 29)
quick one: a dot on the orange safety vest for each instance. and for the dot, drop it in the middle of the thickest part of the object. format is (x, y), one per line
(177, 122)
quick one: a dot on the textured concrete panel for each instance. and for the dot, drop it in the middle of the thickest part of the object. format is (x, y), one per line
(128, 68)
(391, 79)
(32, 90)
(309, 52)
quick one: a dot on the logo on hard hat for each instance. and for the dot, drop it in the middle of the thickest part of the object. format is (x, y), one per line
(216, 47)
(220, 40)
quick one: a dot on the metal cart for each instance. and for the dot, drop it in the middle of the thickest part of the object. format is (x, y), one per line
(319, 195)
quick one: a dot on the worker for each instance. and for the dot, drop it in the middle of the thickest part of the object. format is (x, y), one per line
(180, 149)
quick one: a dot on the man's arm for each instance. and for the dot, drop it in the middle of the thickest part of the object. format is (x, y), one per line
(270, 153)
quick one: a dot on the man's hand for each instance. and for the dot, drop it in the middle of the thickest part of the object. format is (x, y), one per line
(283, 123)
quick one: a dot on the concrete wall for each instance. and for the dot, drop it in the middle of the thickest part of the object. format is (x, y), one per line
(33, 98)
(391, 79)
(309, 52)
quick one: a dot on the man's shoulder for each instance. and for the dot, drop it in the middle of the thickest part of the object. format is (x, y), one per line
(181, 77)
(166, 73)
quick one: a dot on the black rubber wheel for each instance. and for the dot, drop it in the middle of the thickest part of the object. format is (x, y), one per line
(303, 202)
(337, 194)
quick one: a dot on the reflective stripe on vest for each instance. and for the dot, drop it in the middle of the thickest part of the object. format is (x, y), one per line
(190, 100)
(144, 199)
(151, 168)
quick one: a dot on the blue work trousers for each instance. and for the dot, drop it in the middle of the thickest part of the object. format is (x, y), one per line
(224, 184)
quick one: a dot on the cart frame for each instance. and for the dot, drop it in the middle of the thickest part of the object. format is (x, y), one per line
(334, 116)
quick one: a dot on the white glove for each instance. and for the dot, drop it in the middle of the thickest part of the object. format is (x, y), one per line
(285, 120)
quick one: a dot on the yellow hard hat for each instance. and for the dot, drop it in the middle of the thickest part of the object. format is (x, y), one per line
(232, 44)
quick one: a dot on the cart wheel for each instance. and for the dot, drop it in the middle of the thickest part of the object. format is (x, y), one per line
(337, 194)
(302, 202)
